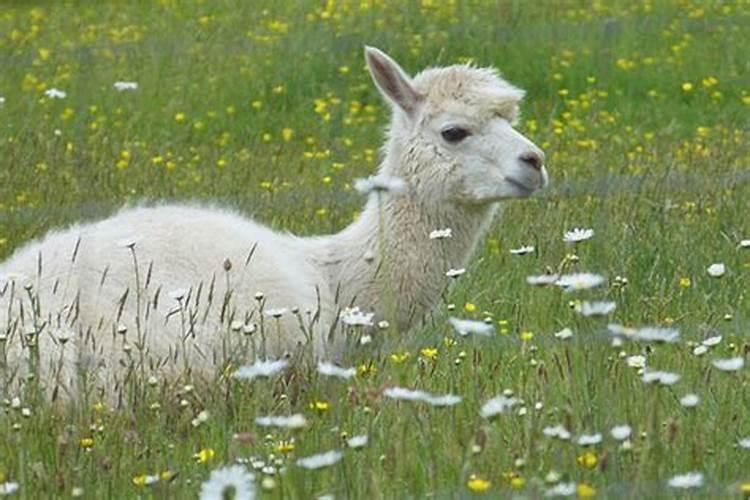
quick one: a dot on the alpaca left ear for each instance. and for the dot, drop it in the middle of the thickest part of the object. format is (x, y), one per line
(392, 81)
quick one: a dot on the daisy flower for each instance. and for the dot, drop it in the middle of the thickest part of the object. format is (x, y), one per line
(441, 234)
(561, 490)
(686, 481)
(716, 270)
(542, 279)
(380, 184)
(352, 316)
(744, 443)
(54, 93)
(320, 460)
(523, 250)
(579, 281)
(467, 326)
(417, 395)
(588, 309)
(660, 377)
(261, 368)
(557, 431)
(589, 439)
(455, 273)
(122, 86)
(331, 370)
(729, 364)
(621, 432)
(564, 334)
(636, 361)
(578, 234)
(277, 312)
(745, 244)
(2, 100)
(690, 400)
(497, 405)
(234, 478)
(296, 421)
(357, 441)
(712, 341)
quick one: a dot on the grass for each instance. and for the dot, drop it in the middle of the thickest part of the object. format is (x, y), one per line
(642, 108)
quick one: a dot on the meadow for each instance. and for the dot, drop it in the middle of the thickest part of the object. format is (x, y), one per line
(643, 110)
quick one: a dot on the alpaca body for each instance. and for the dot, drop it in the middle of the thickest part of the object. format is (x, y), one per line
(175, 288)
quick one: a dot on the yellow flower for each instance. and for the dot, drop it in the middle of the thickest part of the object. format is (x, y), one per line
(87, 443)
(469, 307)
(287, 134)
(99, 407)
(517, 482)
(687, 87)
(285, 446)
(588, 460)
(204, 455)
(527, 336)
(366, 369)
(400, 357)
(478, 484)
(685, 282)
(429, 353)
(745, 488)
(320, 406)
(179, 117)
(585, 491)
(140, 479)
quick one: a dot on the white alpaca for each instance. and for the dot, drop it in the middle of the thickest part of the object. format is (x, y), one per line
(193, 302)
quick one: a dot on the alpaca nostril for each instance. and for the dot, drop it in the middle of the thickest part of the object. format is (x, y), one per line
(533, 159)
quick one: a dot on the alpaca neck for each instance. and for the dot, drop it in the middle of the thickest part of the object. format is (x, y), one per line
(385, 261)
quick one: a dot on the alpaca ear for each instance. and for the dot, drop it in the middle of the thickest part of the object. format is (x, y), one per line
(392, 81)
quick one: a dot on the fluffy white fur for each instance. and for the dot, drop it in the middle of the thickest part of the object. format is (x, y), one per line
(199, 269)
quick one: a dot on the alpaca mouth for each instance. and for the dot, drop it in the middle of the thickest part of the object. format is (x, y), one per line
(523, 188)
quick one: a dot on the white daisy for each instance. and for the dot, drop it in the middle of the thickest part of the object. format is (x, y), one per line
(261, 368)
(621, 432)
(380, 184)
(523, 250)
(589, 439)
(8, 488)
(320, 460)
(441, 234)
(296, 421)
(636, 361)
(690, 400)
(700, 350)
(561, 490)
(744, 443)
(578, 234)
(579, 281)
(712, 341)
(645, 334)
(557, 431)
(660, 377)
(352, 316)
(745, 244)
(417, 395)
(717, 270)
(122, 86)
(455, 273)
(467, 326)
(564, 334)
(357, 441)
(331, 370)
(2, 100)
(233, 478)
(542, 279)
(54, 93)
(497, 405)
(686, 481)
(587, 308)
(729, 364)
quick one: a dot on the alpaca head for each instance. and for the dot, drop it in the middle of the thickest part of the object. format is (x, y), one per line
(452, 133)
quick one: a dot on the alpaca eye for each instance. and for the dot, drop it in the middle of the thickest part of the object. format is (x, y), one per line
(455, 134)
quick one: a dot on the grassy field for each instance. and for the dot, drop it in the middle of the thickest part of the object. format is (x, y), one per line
(643, 110)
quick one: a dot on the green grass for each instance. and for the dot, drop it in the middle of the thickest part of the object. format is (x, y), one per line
(643, 109)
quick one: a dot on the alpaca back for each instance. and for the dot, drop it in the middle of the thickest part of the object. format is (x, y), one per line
(176, 285)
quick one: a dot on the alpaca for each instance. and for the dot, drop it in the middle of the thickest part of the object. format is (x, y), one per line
(179, 286)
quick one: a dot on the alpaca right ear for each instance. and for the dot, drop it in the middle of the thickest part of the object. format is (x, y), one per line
(392, 81)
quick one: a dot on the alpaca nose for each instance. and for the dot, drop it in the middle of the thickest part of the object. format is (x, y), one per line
(534, 159)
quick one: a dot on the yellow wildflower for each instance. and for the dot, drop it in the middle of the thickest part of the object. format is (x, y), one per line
(285, 446)
(585, 491)
(204, 455)
(470, 307)
(400, 357)
(320, 406)
(527, 335)
(429, 353)
(588, 460)
(478, 484)
(179, 117)
(685, 282)
(687, 87)
(87, 443)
